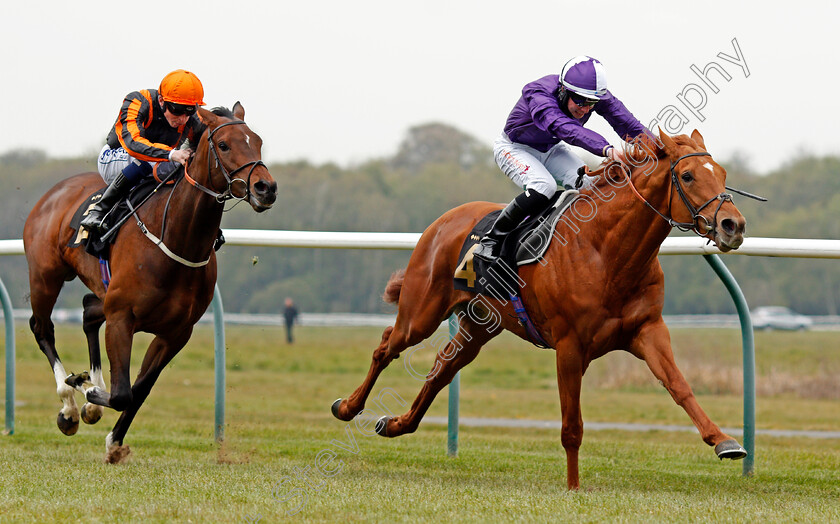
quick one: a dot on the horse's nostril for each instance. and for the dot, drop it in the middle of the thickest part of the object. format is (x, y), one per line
(728, 226)
(263, 188)
(266, 191)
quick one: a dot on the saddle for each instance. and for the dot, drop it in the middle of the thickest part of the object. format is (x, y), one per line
(98, 245)
(525, 245)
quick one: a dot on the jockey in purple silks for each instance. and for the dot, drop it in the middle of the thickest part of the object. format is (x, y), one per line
(534, 151)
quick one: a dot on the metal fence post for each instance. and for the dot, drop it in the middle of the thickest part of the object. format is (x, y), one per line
(454, 399)
(219, 363)
(10, 359)
(749, 357)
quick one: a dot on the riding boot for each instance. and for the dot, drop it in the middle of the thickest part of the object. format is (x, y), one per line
(529, 203)
(115, 191)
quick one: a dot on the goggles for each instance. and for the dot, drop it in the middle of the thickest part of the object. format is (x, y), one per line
(178, 109)
(581, 101)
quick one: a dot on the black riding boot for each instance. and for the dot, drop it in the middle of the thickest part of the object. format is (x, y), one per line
(529, 203)
(115, 191)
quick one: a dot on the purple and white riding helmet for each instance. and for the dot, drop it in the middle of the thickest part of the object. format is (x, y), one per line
(585, 77)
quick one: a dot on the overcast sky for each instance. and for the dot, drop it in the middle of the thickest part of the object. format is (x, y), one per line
(342, 81)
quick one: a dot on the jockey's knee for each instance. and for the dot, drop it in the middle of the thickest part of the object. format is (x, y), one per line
(137, 170)
(546, 188)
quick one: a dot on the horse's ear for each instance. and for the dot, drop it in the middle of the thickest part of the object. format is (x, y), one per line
(238, 111)
(697, 137)
(207, 117)
(668, 143)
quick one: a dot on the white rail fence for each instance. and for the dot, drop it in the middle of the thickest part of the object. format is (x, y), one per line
(756, 246)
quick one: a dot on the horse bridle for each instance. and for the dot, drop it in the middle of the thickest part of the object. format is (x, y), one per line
(228, 193)
(220, 197)
(694, 225)
(696, 215)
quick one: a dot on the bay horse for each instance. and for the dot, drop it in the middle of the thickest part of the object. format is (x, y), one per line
(161, 289)
(600, 287)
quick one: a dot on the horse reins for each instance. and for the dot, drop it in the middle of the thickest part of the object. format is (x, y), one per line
(219, 197)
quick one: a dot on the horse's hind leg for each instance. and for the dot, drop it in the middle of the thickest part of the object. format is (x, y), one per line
(415, 322)
(457, 353)
(44, 287)
(92, 320)
(570, 369)
(389, 348)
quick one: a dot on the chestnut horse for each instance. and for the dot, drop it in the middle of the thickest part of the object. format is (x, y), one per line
(161, 289)
(600, 287)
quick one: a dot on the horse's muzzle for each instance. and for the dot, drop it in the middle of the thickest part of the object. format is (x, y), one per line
(729, 233)
(263, 195)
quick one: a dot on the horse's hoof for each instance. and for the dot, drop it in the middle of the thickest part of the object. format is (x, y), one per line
(117, 454)
(91, 413)
(75, 381)
(68, 426)
(730, 449)
(334, 408)
(382, 426)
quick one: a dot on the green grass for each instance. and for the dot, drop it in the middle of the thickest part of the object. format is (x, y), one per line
(278, 425)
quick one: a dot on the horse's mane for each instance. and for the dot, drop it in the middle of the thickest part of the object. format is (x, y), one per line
(223, 111)
(638, 151)
(218, 111)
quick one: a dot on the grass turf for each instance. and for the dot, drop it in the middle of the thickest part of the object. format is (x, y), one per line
(286, 458)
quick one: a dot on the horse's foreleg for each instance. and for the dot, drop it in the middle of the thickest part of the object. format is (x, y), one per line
(119, 333)
(569, 375)
(158, 355)
(454, 355)
(653, 345)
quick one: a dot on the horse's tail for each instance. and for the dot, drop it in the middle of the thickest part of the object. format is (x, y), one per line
(394, 286)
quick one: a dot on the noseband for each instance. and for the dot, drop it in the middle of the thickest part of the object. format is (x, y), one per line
(227, 194)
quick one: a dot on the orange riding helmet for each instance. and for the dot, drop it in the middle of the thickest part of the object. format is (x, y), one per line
(182, 87)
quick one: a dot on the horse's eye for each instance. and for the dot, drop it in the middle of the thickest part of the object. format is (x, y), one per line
(687, 177)
(223, 146)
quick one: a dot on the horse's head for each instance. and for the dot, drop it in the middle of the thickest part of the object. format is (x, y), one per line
(234, 164)
(698, 199)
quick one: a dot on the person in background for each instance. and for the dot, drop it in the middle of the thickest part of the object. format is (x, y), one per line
(290, 314)
(533, 151)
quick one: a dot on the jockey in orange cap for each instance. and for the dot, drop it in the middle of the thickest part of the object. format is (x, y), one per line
(150, 127)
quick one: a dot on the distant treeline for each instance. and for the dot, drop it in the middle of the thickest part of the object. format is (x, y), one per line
(435, 169)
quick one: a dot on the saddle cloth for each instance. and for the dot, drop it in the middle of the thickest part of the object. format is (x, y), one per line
(525, 245)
